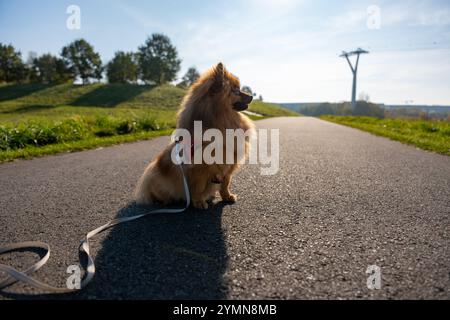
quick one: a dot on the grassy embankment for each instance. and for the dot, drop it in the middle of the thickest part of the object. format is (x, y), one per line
(430, 135)
(38, 119)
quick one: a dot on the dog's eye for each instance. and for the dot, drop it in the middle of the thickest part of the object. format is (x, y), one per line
(236, 90)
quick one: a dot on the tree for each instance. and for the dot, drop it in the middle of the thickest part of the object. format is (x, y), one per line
(363, 96)
(158, 60)
(32, 73)
(122, 68)
(82, 60)
(248, 90)
(189, 78)
(50, 69)
(260, 98)
(364, 108)
(63, 72)
(12, 67)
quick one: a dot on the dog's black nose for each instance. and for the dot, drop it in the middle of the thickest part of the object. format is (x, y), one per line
(246, 98)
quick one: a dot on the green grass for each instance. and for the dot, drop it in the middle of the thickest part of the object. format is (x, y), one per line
(88, 143)
(271, 110)
(430, 135)
(37, 119)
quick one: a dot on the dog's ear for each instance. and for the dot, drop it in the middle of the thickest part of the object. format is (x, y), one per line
(219, 76)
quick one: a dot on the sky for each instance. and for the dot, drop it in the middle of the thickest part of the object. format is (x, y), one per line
(285, 50)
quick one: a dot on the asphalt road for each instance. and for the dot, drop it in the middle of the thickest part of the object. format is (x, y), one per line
(342, 200)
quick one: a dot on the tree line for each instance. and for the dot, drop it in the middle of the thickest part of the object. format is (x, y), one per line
(155, 62)
(362, 108)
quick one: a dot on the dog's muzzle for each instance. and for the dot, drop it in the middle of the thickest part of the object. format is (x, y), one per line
(242, 104)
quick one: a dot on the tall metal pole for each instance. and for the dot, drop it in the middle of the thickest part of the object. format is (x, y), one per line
(357, 52)
(355, 74)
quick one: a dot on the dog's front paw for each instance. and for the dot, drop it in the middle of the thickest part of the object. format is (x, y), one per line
(200, 204)
(229, 198)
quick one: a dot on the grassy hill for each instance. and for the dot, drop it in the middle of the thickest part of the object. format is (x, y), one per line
(40, 119)
(31, 101)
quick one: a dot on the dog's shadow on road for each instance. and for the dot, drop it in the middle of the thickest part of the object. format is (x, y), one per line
(163, 256)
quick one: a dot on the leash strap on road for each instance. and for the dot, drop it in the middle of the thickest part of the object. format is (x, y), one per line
(18, 276)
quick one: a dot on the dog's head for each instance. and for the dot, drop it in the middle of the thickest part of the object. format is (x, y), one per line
(222, 89)
(226, 88)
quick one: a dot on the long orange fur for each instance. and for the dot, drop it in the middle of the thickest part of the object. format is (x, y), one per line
(210, 100)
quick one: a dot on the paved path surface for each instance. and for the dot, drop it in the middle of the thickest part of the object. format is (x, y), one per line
(342, 200)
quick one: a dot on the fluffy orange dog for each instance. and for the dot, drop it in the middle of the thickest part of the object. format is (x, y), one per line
(215, 99)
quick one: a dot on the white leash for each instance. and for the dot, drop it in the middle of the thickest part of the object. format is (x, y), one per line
(18, 276)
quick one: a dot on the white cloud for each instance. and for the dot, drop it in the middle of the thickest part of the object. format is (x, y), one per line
(143, 19)
(435, 18)
(348, 21)
(275, 6)
(406, 14)
(415, 14)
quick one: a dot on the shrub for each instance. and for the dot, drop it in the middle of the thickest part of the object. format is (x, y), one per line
(41, 134)
(70, 130)
(105, 132)
(428, 127)
(149, 124)
(126, 126)
(3, 138)
(73, 129)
